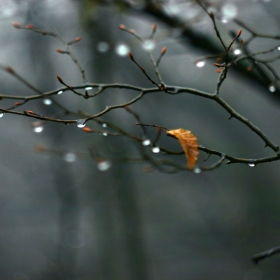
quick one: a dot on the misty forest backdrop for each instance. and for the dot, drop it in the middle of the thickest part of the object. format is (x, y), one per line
(63, 217)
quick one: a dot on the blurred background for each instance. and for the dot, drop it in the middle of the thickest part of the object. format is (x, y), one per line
(63, 216)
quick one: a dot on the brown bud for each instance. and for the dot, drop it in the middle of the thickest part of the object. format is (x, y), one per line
(121, 26)
(249, 69)
(239, 33)
(16, 25)
(77, 39)
(39, 148)
(219, 70)
(131, 56)
(154, 27)
(60, 50)
(218, 65)
(131, 30)
(163, 51)
(17, 103)
(29, 112)
(87, 129)
(60, 79)
(162, 87)
(10, 69)
(29, 26)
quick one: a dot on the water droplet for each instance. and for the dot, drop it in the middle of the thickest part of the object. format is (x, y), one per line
(146, 142)
(229, 11)
(104, 133)
(1, 115)
(237, 51)
(156, 150)
(122, 49)
(69, 157)
(251, 164)
(103, 165)
(37, 127)
(88, 88)
(149, 45)
(81, 123)
(197, 170)
(60, 92)
(278, 48)
(272, 88)
(47, 101)
(104, 124)
(102, 47)
(200, 64)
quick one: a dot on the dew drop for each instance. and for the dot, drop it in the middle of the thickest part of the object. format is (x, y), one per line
(122, 49)
(1, 115)
(69, 157)
(251, 164)
(37, 127)
(102, 47)
(149, 45)
(103, 165)
(81, 123)
(146, 142)
(88, 88)
(278, 48)
(155, 150)
(47, 101)
(237, 51)
(60, 92)
(272, 88)
(197, 170)
(104, 124)
(104, 133)
(200, 63)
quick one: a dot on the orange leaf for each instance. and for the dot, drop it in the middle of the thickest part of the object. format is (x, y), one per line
(189, 144)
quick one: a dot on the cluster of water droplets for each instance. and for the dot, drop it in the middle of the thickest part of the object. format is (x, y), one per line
(229, 11)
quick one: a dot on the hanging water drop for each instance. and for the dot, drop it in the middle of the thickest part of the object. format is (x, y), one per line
(149, 45)
(88, 88)
(47, 101)
(1, 115)
(146, 142)
(122, 49)
(200, 63)
(272, 88)
(104, 125)
(155, 150)
(37, 127)
(60, 92)
(104, 133)
(81, 123)
(251, 164)
(103, 165)
(278, 48)
(70, 157)
(197, 170)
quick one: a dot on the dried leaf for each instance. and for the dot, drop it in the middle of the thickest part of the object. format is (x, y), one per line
(189, 144)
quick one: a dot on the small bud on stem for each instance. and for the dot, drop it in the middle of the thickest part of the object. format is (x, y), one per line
(163, 51)
(60, 79)
(121, 26)
(29, 26)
